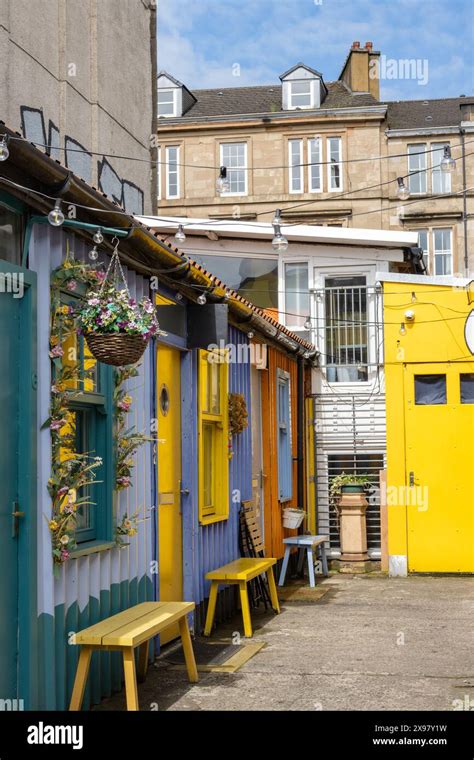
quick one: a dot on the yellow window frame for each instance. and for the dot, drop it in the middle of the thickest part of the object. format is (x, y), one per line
(217, 421)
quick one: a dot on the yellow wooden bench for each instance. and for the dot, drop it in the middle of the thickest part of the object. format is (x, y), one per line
(239, 573)
(124, 632)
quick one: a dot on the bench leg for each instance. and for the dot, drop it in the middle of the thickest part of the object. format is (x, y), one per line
(273, 590)
(211, 608)
(300, 565)
(324, 560)
(244, 600)
(130, 678)
(284, 567)
(81, 678)
(142, 661)
(188, 650)
(309, 553)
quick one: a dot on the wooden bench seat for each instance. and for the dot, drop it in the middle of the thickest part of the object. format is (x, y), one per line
(124, 632)
(240, 572)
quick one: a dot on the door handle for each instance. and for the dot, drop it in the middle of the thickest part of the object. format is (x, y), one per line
(16, 514)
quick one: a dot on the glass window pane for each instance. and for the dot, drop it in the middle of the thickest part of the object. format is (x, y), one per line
(207, 436)
(346, 329)
(215, 388)
(441, 181)
(254, 279)
(417, 163)
(334, 157)
(301, 94)
(296, 294)
(172, 172)
(166, 103)
(442, 251)
(467, 388)
(296, 170)
(430, 389)
(423, 243)
(234, 158)
(314, 155)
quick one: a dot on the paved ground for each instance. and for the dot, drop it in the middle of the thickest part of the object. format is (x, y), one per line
(370, 643)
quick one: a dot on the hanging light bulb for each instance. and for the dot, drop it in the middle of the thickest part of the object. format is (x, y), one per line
(448, 164)
(279, 242)
(402, 190)
(4, 152)
(202, 299)
(222, 182)
(94, 254)
(98, 237)
(308, 324)
(180, 236)
(56, 216)
(402, 329)
(250, 335)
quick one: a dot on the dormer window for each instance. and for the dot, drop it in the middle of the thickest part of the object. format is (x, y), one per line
(166, 103)
(301, 95)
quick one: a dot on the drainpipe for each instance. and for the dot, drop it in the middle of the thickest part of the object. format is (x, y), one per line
(462, 132)
(300, 432)
(154, 116)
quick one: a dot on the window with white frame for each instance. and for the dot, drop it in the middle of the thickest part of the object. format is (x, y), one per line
(166, 103)
(314, 169)
(417, 176)
(300, 95)
(346, 328)
(297, 307)
(295, 150)
(440, 181)
(158, 173)
(437, 246)
(234, 158)
(334, 154)
(172, 171)
(442, 251)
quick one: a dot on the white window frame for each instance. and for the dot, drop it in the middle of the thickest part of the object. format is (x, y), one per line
(445, 253)
(430, 251)
(319, 165)
(178, 183)
(159, 173)
(291, 94)
(330, 188)
(374, 323)
(436, 170)
(174, 92)
(282, 262)
(294, 167)
(235, 168)
(421, 171)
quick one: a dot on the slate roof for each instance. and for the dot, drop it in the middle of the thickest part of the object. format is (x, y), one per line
(412, 114)
(264, 99)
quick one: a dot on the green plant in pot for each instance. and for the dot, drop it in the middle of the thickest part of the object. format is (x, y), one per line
(343, 483)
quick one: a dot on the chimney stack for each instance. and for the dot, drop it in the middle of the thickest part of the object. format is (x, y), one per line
(361, 70)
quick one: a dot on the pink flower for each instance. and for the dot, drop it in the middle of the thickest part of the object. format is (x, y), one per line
(57, 424)
(71, 285)
(62, 490)
(64, 555)
(93, 302)
(100, 275)
(124, 482)
(56, 352)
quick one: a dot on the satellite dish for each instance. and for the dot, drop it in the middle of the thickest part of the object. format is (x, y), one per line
(469, 332)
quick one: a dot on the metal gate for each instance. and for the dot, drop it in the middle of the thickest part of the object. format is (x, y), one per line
(351, 438)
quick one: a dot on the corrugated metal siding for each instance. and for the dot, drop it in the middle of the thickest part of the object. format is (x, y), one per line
(218, 543)
(92, 587)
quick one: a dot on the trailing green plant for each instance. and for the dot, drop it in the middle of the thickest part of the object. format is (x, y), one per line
(338, 481)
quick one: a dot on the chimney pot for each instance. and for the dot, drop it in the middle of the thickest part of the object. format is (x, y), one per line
(368, 45)
(355, 45)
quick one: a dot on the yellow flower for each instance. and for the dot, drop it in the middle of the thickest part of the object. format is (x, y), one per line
(128, 399)
(71, 495)
(53, 525)
(54, 340)
(132, 532)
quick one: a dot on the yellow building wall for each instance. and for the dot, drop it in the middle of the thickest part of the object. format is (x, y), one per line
(433, 343)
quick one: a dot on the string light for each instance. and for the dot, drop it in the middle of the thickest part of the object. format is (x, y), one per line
(402, 329)
(448, 164)
(56, 216)
(180, 236)
(279, 242)
(402, 190)
(4, 152)
(307, 323)
(222, 182)
(202, 299)
(94, 254)
(98, 237)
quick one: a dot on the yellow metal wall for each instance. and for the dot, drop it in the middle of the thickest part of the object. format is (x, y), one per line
(440, 534)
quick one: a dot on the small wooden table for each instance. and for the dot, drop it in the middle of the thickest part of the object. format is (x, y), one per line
(239, 573)
(302, 543)
(125, 631)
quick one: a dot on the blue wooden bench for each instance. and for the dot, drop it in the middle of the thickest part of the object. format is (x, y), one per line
(309, 545)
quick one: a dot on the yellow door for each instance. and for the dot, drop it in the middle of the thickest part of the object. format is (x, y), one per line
(170, 562)
(439, 488)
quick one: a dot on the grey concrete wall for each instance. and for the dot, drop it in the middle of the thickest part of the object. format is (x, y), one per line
(78, 75)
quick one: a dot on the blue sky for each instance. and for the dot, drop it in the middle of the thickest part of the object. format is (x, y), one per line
(200, 41)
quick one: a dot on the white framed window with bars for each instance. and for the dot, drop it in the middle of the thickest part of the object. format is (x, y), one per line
(233, 156)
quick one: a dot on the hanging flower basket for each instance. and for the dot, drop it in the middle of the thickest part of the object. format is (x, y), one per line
(115, 326)
(292, 518)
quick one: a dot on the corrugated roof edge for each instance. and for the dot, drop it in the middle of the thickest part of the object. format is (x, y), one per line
(234, 299)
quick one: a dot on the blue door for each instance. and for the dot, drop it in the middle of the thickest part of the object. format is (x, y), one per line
(17, 483)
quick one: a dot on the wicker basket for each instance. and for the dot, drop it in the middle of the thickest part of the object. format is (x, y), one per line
(118, 350)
